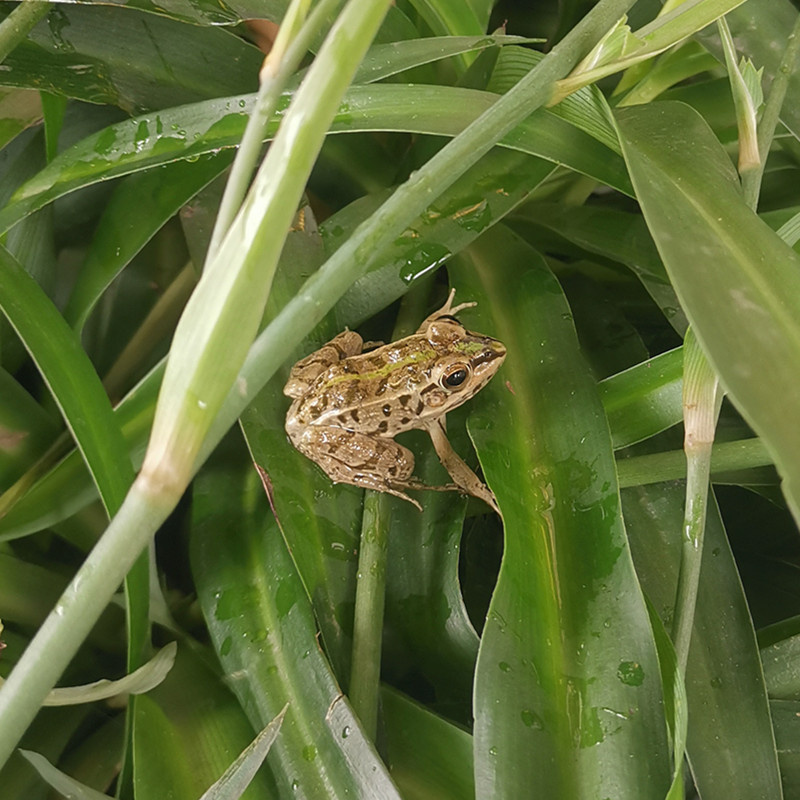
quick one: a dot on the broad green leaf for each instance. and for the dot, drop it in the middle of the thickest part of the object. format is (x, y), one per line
(323, 545)
(428, 630)
(191, 132)
(383, 60)
(139, 206)
(71, 379)
(430, 758)
(26, 429)
(187, 732)
(567, 689)
(19, 109)
(781, 663)
(730, 743)
(449, 17)
(123, 57)
(743, 297)
(784, 717)
(262, 626)
(606, 232)
(644, 400)
(28, 591)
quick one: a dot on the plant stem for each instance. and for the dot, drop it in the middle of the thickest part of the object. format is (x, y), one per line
(365, 670)
(671, 466)
(273, 82)
(16, 26)
(76, 612)
(697, 476)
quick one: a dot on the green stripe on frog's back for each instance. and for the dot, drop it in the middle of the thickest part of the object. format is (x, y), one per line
(414, 356)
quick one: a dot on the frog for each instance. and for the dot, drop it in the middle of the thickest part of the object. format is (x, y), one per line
(351, 398)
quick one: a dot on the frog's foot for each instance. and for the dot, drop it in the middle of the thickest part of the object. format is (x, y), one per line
(447, 310)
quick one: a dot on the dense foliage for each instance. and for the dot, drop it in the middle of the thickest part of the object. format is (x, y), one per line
(628, 228)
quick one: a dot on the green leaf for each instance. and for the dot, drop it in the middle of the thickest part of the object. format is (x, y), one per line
(204, 128)
(431, 759)
(644, 400)
(134, 60)
(744, 303)
(567, 652)
(71, 379)
(26, 429)
(724, 683)
(609, 233)
(142, 680)
(760, 29)
(62, 783)
(384, 60)
(262, 625)
(624, 48)
(238, 776)
(19, 109)
(136, 210)
(188, 731)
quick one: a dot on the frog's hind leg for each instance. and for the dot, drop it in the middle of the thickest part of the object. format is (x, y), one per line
(360, 460)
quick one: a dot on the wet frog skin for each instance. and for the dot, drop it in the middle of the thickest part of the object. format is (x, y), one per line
(348, 405)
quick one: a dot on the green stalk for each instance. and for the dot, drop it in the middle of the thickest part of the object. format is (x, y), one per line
(283, 60)
(16, 26)
(365, 670)
(77, 610)
(671, 466)
(702, 398)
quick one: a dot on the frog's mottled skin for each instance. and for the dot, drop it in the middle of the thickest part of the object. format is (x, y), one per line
(348, 405)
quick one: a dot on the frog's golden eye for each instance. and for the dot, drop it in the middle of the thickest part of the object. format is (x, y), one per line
(455, 376)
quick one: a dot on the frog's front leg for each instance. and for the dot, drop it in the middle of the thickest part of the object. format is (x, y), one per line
(350, 457)
(346, 344)
(459, 471)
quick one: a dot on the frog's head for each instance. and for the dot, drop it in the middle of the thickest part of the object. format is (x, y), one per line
(464, 364)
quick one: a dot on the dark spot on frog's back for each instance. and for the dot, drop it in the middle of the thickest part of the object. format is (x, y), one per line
(383, 426)
(387, 410)
(404, 400)
(354, 415)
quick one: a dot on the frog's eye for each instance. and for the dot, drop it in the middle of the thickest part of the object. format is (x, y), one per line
(455, 376)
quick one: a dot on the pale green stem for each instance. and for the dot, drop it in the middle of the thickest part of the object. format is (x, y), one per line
(671, 466)
(272, 83)
(702, 398)
(76, 612)
(771, 115)
(16, 26)
(365, 669)
(694, 523)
